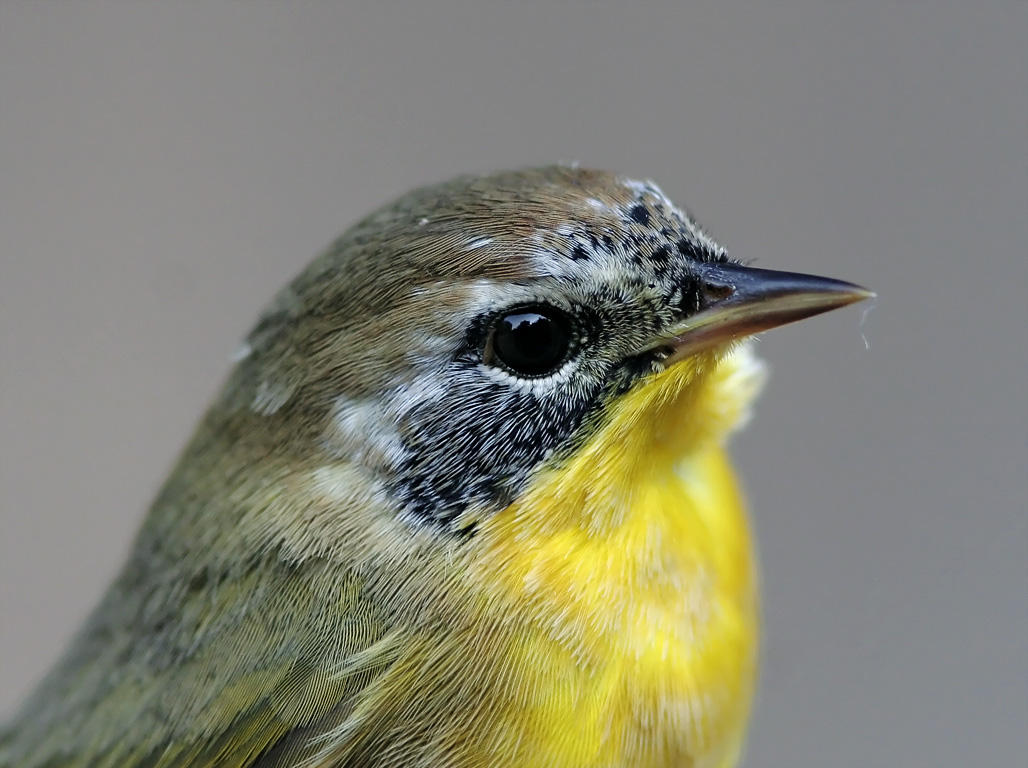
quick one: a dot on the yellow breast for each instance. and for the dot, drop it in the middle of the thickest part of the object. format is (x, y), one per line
(626, 582)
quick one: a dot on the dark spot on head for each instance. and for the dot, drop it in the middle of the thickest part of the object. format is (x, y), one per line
(578, 253)
(608, 242)
(661, 255)
(639, 214)
(689, 249)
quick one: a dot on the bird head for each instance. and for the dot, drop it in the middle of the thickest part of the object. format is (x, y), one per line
(466, 337)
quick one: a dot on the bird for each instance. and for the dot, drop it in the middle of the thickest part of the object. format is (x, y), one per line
(464, 499)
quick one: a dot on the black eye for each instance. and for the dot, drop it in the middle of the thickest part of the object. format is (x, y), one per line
(531, 341)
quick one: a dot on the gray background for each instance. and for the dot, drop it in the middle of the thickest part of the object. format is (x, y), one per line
(164, 169)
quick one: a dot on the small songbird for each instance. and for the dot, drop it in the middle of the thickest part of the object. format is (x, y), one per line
(463, 501)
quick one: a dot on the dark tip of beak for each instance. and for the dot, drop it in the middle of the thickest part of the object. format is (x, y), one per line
(737, 301)
(768, 293)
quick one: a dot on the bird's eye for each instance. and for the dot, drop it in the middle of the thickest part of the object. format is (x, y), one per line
(530, 341)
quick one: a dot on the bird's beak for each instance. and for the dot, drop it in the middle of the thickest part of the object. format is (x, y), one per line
(737, 301)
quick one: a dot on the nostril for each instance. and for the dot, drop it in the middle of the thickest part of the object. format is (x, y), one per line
(717, 291)
(700, 292)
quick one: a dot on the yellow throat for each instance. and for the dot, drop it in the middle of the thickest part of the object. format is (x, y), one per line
(630, 576)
